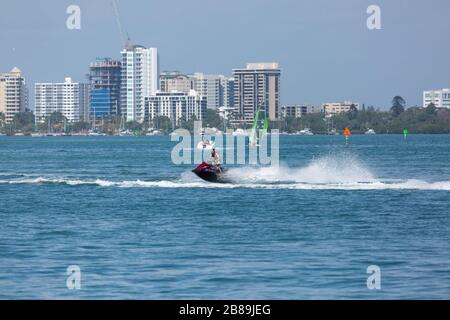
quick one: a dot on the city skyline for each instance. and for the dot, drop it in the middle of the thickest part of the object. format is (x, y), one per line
(366, 66)
(99, 97)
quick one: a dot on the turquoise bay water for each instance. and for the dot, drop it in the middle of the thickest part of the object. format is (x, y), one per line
(141, 228)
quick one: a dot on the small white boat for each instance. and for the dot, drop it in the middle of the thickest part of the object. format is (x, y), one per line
(240, 132)
(305, 132)
(126, 133)
(154, 133)
(205, 145)
(370, 131)
(96, 134)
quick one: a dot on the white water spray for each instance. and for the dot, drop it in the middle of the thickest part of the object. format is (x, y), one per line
(333, 172)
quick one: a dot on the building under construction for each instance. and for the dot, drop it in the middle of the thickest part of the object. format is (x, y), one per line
(104, 77)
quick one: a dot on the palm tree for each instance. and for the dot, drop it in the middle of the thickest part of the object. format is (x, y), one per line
(55, 121)
(24, 122)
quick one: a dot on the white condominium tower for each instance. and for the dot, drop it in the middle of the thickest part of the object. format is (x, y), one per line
(177, 106)
(13, 94)
(139, 79)
(69, 98)
(440, 98)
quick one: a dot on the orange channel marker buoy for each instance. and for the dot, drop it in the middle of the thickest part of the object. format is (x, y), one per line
(347, 133)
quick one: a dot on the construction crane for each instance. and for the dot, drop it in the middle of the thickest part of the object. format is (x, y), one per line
(125, 41)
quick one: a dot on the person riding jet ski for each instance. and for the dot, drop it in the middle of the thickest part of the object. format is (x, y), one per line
(215, 160)
(211, 170)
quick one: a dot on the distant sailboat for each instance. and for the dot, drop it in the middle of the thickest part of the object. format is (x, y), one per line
(259, 129)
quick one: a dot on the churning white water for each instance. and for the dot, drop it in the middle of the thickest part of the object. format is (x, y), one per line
(328, 172)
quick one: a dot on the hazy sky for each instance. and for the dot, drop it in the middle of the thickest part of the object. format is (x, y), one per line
(324, 47)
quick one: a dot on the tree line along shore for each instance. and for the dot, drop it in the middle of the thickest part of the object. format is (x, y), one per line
(417, 120)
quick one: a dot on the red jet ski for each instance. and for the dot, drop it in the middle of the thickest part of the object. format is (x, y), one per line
(210, 173)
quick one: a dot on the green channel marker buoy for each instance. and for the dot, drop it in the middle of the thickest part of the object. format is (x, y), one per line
(405, 133)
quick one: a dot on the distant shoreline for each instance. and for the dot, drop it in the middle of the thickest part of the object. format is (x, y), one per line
(168, 135)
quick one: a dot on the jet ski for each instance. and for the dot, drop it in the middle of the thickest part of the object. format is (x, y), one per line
(211, 173)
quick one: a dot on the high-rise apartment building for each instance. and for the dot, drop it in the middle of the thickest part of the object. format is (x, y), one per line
(13, 94)
(298, 110)
(440, 98)
(226, 92)
(339, 107)
(139, 79)
(177, 106)
(85, 102)
(208, 86)
(218, 89)
(69, 98)
(257, 88)
(174, 81)
(104, 79)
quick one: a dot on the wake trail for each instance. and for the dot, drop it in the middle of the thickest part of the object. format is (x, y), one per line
(325, 173)
(379, 185)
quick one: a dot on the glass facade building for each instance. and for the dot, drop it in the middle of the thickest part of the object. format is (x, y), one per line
(104, 78)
